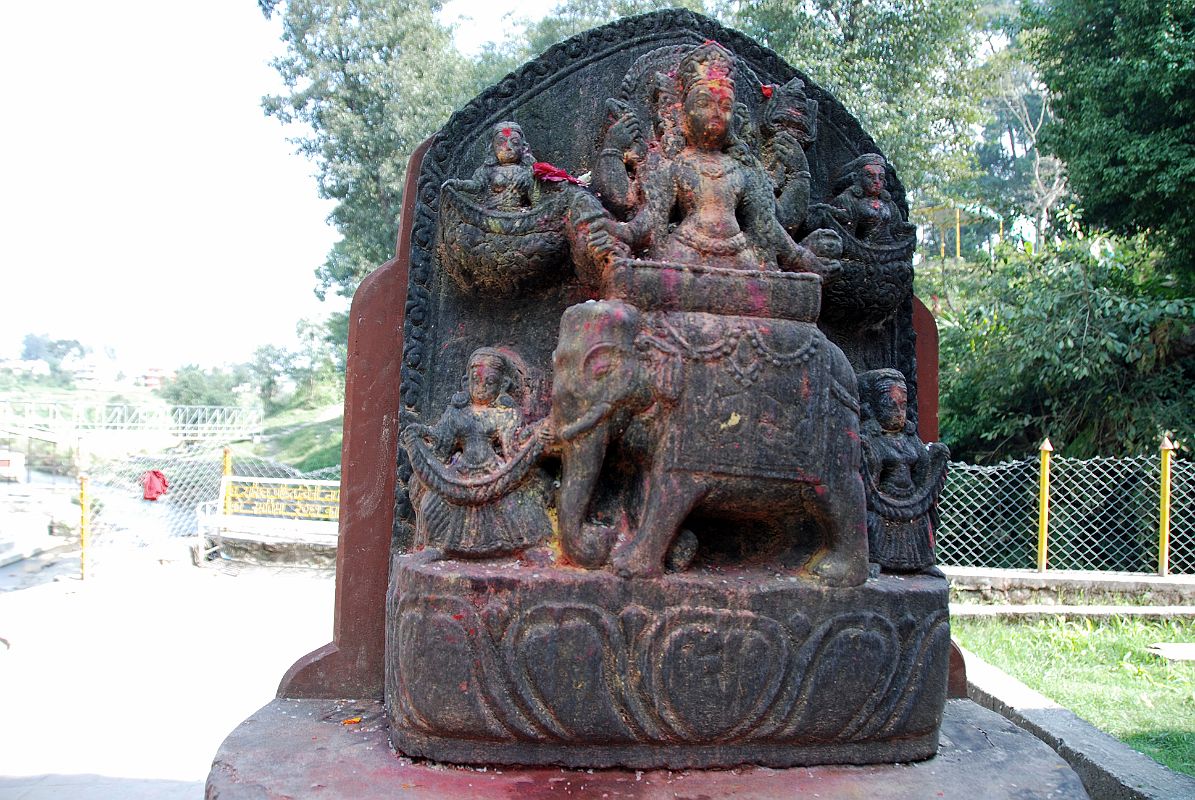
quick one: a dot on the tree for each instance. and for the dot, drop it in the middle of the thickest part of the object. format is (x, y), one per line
(315, 368)
(370, 79)
(269, 365)
(1079, 341)
(194, 386)
(40, 347)
(903, 68)
(1122, 76)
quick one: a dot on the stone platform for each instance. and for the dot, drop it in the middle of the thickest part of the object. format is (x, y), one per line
(706, 668)
(302, 749)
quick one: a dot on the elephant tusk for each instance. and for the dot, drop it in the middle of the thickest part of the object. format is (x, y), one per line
(586, 422)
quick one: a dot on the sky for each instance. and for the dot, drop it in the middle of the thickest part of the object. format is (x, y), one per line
(148, 205)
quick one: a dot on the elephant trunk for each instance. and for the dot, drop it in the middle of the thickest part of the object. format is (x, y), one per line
(581, 460)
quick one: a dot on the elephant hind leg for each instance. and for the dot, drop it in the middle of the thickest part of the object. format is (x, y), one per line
(842, 558)
(669, 498)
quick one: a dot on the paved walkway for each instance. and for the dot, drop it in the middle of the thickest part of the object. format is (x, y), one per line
(1044, 610)
(124, 685)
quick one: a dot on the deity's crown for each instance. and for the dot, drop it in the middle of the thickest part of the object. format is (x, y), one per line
(707, 63)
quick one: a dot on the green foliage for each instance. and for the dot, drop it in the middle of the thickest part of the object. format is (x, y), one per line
(1013, 178)
(370, 80)
(269, 365)
(315, 369)
(1122, 73)
(1081, 341)
(194, 386)
(1102, 671)
(52, 351)
(904, 68)
(570, 17)
(307, 445)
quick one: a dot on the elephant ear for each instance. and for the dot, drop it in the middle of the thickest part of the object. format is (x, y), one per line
(601, 361)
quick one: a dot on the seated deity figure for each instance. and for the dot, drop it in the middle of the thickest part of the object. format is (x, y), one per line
(903, 477)
(474, 469)
(864, 206)
(702, 197)
(504, 182)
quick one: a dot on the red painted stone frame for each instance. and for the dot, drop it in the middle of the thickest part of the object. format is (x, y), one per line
(352, 664)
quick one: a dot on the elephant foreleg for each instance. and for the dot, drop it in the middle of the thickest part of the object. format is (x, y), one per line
(842, 558)
(669, 498)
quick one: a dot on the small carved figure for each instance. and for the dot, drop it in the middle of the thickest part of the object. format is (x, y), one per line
(789, 128)
(475, 487)
(903, 477)
(702, 197)
(501, 230)
(504, 182)
(864, 206)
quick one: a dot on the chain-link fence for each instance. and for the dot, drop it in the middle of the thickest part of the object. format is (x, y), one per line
(1103, 514)
(1182, 518)
(989, 516)
(121, 515)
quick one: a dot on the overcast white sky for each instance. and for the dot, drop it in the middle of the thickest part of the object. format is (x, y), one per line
(148, 205)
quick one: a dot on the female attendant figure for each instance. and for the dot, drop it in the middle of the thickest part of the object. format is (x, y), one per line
(903, 477)
(504, 182)
(474, 487)
(864, 206)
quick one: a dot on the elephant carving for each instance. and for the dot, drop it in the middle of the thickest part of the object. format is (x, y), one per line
(752, 422)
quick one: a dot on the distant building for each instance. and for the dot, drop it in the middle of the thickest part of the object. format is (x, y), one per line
(153, 378)
(32, 369)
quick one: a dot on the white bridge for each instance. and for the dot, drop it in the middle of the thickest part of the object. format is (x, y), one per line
(43, 419)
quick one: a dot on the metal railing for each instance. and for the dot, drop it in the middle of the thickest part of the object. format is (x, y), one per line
(1134, 514)
(221, 423)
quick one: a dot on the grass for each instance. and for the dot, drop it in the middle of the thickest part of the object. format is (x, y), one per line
(1101, 670)
(306, 439)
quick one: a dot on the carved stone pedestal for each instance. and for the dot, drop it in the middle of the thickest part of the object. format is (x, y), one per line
(512, 663)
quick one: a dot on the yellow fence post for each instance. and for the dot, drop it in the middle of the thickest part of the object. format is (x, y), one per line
(1043, 506)
(1164, 511)
(225, 473)
(84, 518)
(958, 233)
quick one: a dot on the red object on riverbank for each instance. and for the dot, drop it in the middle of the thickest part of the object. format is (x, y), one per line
(155, 484)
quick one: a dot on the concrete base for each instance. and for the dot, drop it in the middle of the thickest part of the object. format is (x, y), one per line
(1108, 768)
(1066, 587)
(303, 749)
(514, 663)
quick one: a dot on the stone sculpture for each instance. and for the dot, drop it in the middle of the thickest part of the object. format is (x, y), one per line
(703, 197)
(789, 128)
(657, 556)
(903, 477)
(501, 230)
(877, 243)
(476, 483)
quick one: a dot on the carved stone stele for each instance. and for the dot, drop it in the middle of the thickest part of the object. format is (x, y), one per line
(635, 533)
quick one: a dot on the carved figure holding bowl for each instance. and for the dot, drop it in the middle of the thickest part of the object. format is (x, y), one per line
(504, 182)
(498, 230)
(864, 206)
